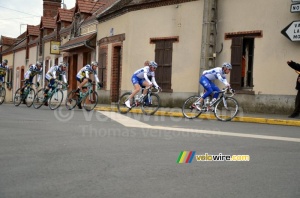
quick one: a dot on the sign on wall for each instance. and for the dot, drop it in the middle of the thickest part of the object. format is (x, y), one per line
(292, 31)
(295, 7)
(54, 47)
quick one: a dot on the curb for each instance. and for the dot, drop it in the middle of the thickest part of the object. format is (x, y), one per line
(212, 117)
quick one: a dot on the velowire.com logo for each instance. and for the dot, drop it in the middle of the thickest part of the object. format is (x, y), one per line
(188, 156)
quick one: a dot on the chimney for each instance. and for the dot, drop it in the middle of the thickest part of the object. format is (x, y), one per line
(50, 7)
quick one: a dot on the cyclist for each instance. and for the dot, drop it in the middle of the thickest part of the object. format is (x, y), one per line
(83, 76)
(28, 76)
(3, 69)
(55, 71)
(207, 78)
(140, 78)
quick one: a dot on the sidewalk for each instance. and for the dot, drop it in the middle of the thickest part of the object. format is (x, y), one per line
(274, 119)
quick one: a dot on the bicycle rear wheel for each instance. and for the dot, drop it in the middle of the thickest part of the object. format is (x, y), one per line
(39, 99)
(122, 108)
(71, 100)
(56, 99)
(226, 109)
(30, 97)
(2, 94)
(90, 101)
(18, 98)
(151, 105)
(189, 110)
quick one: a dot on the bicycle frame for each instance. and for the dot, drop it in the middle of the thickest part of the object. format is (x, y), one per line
(88, 92)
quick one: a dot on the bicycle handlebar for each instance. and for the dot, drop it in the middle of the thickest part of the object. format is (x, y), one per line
(224, 90)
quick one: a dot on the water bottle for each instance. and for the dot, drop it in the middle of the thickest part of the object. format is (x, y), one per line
(207, 101)
(136, 98)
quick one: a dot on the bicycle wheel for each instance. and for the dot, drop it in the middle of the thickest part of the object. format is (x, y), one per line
(189, 110)
(39, 99)
(122, 108)
(71, 100)
(90, 101)
(30, 97)
(56, 99)
(226, 109)
(2, 94)
(18, 98)
(151, 105)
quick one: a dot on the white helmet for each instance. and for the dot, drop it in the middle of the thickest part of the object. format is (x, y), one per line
(227, 65)
(63, 64)
(38, 63)
(94, 63)
(153, 64)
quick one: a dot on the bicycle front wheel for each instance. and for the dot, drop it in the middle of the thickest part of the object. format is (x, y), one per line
(39, 99)
(71, 100)
(90, 101)
(151, 104)
(30, 97)
(122, 108)
(189, 109)
(2, 94)
(226, 109)
(18, 98)
(56, 99)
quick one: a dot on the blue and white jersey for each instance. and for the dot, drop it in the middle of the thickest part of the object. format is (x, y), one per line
(216, 73)
(3, 70)
(55, 71)
(86, 71)
(145, 73)
(33, 70)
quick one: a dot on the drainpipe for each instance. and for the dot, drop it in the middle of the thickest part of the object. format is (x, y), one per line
(208, 42)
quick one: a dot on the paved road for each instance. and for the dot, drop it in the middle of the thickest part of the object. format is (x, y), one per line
(62, 153)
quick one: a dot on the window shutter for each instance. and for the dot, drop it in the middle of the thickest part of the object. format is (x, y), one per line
(236, 62)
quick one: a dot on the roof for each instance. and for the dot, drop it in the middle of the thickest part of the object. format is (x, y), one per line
(7, 40)
(33, 30)
(88, 6)
(65, 15)
(77, 42)
(22, 44)
(48, 22)
(124, 6)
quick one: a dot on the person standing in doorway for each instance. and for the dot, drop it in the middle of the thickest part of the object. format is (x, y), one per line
(296, 67)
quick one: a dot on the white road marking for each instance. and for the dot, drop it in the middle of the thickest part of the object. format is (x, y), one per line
(129, 122)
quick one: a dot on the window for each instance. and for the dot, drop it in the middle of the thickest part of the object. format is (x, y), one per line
(102, 66)
(242, 51)
(163, 57)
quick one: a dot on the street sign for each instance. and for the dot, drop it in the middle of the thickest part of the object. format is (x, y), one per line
(292, 31)
(295, 7)
(295, 1)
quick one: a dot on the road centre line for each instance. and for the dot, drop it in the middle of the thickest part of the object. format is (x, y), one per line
(129, 122)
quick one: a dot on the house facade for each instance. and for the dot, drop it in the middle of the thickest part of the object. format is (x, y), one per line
(247, 34)
(185, 37)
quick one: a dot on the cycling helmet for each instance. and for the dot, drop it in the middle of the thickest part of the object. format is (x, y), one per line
(153, 64)
(4, 61)
(38, 63)
(227, 65)
(94, 63)
(63, 64)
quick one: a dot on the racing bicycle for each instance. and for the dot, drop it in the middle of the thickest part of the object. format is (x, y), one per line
(3, 91)
(54, 96)
(150, 103)
(27, 96)
(225, 108)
